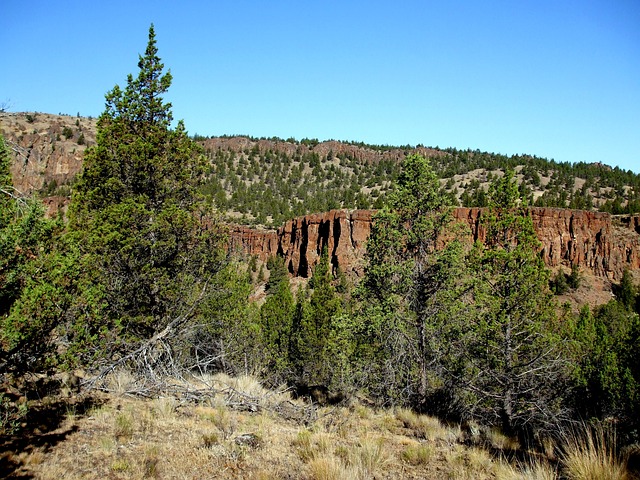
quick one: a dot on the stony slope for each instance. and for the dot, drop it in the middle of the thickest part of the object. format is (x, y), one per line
(47, 149)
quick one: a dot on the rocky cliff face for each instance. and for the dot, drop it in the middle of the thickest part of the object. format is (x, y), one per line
(46, 148)
(598, 243)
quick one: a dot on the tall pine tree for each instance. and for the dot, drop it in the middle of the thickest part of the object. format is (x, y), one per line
(411, 287)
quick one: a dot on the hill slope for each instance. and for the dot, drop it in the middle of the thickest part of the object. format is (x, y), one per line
(268, 181)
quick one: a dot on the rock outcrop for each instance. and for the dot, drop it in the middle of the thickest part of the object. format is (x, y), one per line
(46, 148)
(47, 154)
(602, 244)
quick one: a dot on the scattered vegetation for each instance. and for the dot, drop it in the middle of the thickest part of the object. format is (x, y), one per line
(455, 350)
(137, 438)
(272, 180)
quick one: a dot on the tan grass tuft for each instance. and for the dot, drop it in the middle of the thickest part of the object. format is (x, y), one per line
(423, 426)
(123, 426)
(534, 469)
(590, 455)
(418, 454)
(370, 457)
(120, 381)
(165, 407)
(150, 463)
(120, 466)
(500, 441)
(469, 463)
(330, 468)
(304, 445)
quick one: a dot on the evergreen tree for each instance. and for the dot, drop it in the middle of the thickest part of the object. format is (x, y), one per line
(511, 365)
(276, 317)
(277, 273)
(230, 337)
(626, 291)
(608, 370)
(32, 299)
(149, 244)
(411, 289)
(314, 327)
(8, 209)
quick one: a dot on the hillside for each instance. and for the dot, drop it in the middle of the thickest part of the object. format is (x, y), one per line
(268, 181)
(233, 428)
(148, 335)
(47, 150)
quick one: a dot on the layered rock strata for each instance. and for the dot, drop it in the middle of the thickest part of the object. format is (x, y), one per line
(602, 244)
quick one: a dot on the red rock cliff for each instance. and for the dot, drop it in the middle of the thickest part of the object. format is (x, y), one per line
(595, 241)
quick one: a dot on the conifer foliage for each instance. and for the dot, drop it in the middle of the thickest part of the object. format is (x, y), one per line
(147, 239)
(410, 288)
(468, 331)
(31, 301)
(512, 347)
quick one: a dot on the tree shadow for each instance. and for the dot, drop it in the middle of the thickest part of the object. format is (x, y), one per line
(40, 432)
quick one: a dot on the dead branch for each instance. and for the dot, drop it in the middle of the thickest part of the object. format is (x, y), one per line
(143, 356)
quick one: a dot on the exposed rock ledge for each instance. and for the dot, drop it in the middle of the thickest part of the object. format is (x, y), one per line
(598, 242)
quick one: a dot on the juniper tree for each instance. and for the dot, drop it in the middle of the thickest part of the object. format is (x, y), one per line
(608, 371)
(511, 364)
(276, 317)
(313, 326)
(411, 288)
(149, 244)
(31, 297)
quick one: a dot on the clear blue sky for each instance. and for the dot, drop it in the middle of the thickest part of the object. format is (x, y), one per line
(557, 79)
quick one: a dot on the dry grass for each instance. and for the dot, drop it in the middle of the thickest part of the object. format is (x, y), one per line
(470, 463)
(418, 454)
(500, 441)
(535, 470)
(120, 382)
(169, 438)
(330, 468)
(370, 457)
(426, 427)
(123, 426)
(590, 455)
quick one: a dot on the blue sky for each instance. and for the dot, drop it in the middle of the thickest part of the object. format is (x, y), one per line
(557, 79)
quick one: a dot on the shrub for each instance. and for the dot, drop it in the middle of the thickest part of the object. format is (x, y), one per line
(67, 132)
(11, 414)
(558, 283)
